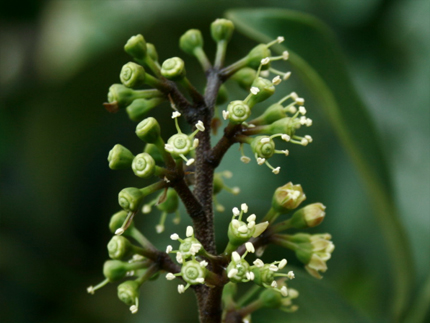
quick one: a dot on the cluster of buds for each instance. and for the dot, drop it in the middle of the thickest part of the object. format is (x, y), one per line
(187, 159)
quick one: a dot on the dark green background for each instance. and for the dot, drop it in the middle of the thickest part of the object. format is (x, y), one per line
(57, 60)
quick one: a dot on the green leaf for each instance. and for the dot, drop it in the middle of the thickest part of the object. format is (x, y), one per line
(318, 61)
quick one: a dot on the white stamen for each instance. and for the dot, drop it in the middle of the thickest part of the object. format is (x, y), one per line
(133, 309)
(181, 289)
(276, 80)
(168, 148)
(166, 179)
(286, 152)
(285, 55)
(251, 225)
(174, 236)
(302, 110)
(294, 96)
(91, 290)
(264, 140)
(258, 263)
(255, 90)
(273, 267)
(195, 248)
(285, 137)
(203, 263)
(190, 231)
(243, 229)
(138, 257)
(169, 249)
(251, 218)
(276, 170)
(303, 120)
(225, 114)
(284, 291)
(176, 114)
(200, 280)
(244, 207)
(159, 228)
(308, 122)
(280, 39)
(119, 231)
(265, 73)
(179, 258)
(249, 247)
(200, 125)
(195, 143)
(235, 256)
(250, 275)
(170, 276)
(265, 61)
(245, 159)
(292, 109)
(146, 209)
(235, 190)
(286, 76)
(291, 275)
(235, 223)
(190, 162)
(260, 161)
(300, 101)
(274, 284)
(304, 142)
(308, 138)
(236, 211)
(233, 272)
(282, 264)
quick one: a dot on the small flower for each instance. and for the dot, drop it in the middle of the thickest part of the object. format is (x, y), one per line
(291, 275)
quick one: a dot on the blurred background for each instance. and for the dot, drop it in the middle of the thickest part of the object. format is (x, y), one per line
(57, 61)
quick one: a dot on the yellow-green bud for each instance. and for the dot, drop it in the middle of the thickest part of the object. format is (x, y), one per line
(222, 29)
(136, 47)
(308, 217)
(140, 107)
(128, 292)
(190, 41)
(270, 298)
(245, 77)
(256, 54)
(132, 75)
(115, 270)
(287, 197)
(173, 68)
(120, 157)
(263, 146)
(148, 130)
(143, 165)
(171, 202)
(117, 220)
(119, 248)
(152, 52)
(238, 111)
(129, 198)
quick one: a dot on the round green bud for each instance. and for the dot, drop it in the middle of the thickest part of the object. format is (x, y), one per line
(136, 47)
(245, 77)
(263, 275)
(129, 198)
(270, 298)
(242, 268)
(148, 130)
(140, 107)
(190, 41)
(152, 52)
(115, 270)
(256, 54)
(266, 90)
(238, 111)
(287, 198)
(119, 248)
(285, 125)
(179, 144)
(120, 94)
(222, 29)
(239, 232)
(309, 216)
(263, 146)
(143, 165)
(152, 150)
(120, 157)
(171, 202)
(132, 75)
(222, 95)
(117, 220)
(173, 68)
(187, 247)
(273, 113)
(128, 291)
(193, 273)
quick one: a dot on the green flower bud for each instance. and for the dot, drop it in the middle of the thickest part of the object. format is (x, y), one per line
(128, 292)
(129, 198)
(171, 203)
(179, 144)
(115, 270)
(237, 271)
(273, 113)
(238, 111)
(117, 220)
(148, 130)
(270, 298)
(136, 47)
(239, 232)
(173, 68)
(222, 29)
(191, 40)
(152, 52)
(188, 247)
(140, 107)
(309, 216)
(256, 54)
(132, 75)
(124, 96)
(287, 198)
(152, 150)
(143, 165)
(266, 90)
(263, 146)
(263, 275)
(285, 125)
(120, 157)
(222, 95)
(193, 272)
(119, 248)
(245, 77)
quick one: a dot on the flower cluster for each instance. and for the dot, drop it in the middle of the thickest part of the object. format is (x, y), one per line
(182, 170)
